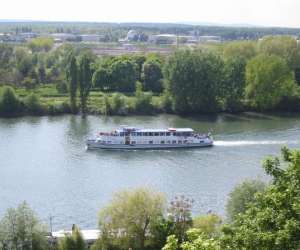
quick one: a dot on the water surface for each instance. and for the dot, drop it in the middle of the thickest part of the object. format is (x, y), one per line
(44, 161)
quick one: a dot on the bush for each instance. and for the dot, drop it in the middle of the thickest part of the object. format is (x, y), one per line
(57, 109)
(9, 102)
(118, 104)
(143, 103)
(208, 224)
(61, 87)
(241, 196)
(33, 105)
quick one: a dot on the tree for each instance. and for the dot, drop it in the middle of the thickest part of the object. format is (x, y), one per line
(268, 81)
(130, 215)
(72, 76)
(180, 214)
(102, 79)
(21, 229)
(242, 195)
(272, 219)
(74, 241)
(285, 47)
(152, 76)
(124, 75)
(85, 80)
(41, 44)
(196, 240)
(208, 224)
(240, 49)
(234, 84)
(194, 80)
(9, 102)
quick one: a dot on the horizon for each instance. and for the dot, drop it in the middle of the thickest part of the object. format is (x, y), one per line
(276, 13)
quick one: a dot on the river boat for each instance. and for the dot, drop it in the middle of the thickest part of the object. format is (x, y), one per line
(135, 138)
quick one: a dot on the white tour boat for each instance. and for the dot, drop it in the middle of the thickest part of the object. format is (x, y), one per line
(134, 138)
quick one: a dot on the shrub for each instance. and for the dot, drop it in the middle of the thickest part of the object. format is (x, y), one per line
(9, 102)
(241, 196)
(33, 105)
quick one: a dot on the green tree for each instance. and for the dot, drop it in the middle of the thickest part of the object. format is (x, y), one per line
(102, 79)
(234, 84)
(242, 195)
(41, 44)
(72, 76)
(180, 214)
(9, 102)
(268, 81)
(272, 219)
(21, 229)
(196, 240)
(85, 80)
(208, 224)
(130, 215)
(74, 241)
(285, 47)
(240, 49)
(124, 75)
(194, 79)
(152, 76)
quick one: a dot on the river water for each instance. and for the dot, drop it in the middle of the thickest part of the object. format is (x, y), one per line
(44, 162)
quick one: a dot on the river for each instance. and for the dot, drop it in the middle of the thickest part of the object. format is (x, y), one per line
(44, 162)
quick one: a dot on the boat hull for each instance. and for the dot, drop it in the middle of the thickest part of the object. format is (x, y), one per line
(95, 145)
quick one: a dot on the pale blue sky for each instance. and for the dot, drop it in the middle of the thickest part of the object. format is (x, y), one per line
(256, 12)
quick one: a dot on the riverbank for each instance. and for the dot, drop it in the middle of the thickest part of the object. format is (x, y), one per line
(47, 100)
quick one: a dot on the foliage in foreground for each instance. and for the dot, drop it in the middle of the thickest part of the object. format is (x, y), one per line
(21, 229)
(272, 220)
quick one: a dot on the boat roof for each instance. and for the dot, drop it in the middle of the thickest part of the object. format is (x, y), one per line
(154, 129)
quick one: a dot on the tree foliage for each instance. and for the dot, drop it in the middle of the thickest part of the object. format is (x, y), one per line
(152, 76)
(85, 80)
(9, 102)
(268, 81)
(194, 80)
(72, 75)
(272, 219)
(21, 229)
(141, 207)
(241, 196)
(74, 241)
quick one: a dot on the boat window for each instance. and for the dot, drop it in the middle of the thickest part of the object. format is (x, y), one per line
(174, 133)
(169, 142)
(133, 134)
(162, 134)
(168, 133)
(150, 142)
(122, 134)
(139, 133)
(179, 142)
(150, 134)
(133, 142)
(156, 134)
(185, 141)
(173, 142)
(162, 142)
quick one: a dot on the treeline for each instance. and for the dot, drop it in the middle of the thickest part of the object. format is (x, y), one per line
(113, 31)
(233, 77)
(259, 216)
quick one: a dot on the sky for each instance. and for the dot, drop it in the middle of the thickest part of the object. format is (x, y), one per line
(283, 13)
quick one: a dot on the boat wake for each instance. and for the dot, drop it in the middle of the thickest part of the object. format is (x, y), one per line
(249, 143)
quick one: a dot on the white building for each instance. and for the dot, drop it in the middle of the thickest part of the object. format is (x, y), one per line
(93, 38)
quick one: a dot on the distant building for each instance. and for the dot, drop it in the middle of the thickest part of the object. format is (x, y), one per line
(132, 35)
(163, 39)
(91, 38)
(63, 37)
(215, 39)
